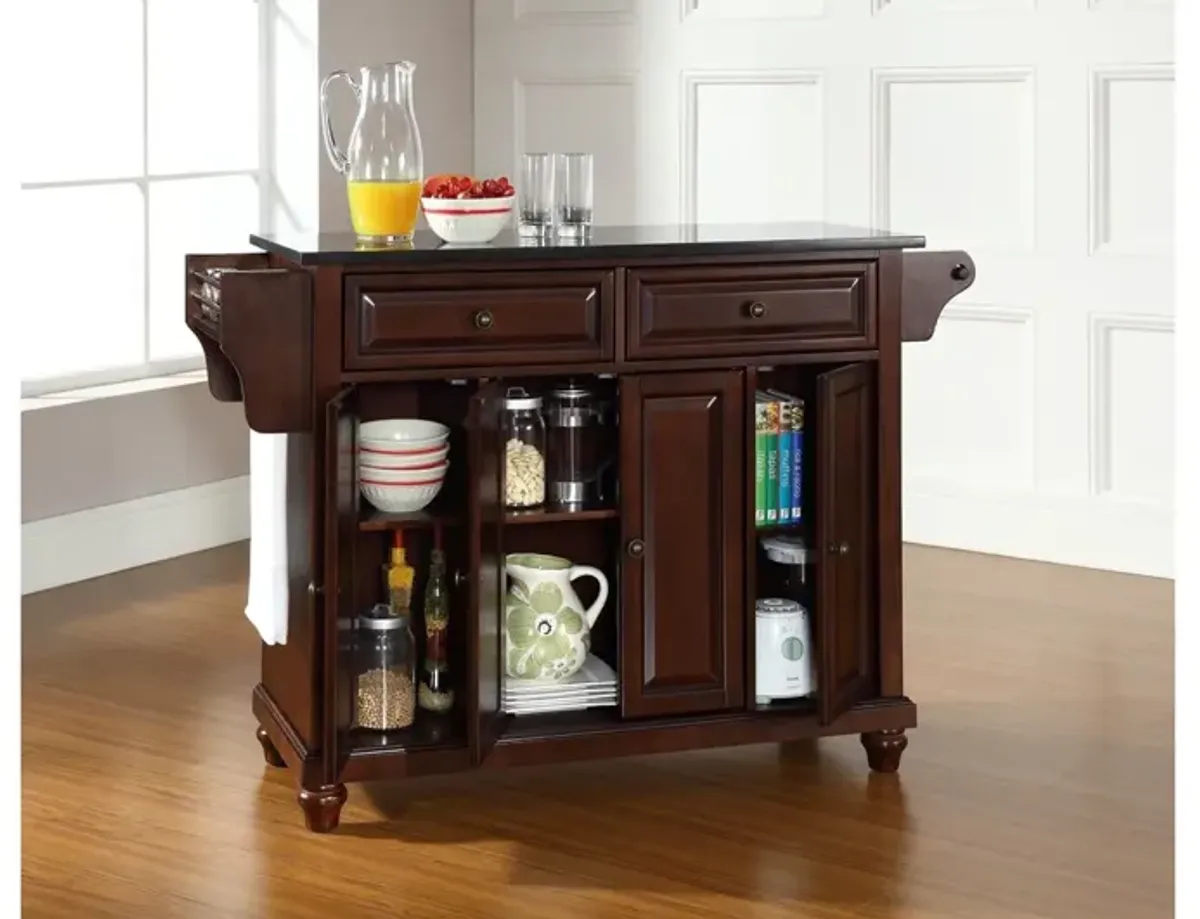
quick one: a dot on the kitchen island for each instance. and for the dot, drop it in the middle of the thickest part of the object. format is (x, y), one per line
(682, 326)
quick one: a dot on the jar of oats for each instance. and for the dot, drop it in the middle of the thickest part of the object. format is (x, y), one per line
(385, 671)
(524, 435)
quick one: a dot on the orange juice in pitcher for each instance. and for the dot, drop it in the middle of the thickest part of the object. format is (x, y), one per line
(382, 162)
(383, 210)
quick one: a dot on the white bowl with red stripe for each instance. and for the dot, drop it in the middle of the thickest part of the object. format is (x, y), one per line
(401, 437)
(401, 491)
(385, 459)
(467, 221)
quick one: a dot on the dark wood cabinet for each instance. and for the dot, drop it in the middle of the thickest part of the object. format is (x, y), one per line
(682, 616)
(845, 538)
(681, 336)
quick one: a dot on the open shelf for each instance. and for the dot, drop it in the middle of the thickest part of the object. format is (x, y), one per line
(561, 724)
(560, 515)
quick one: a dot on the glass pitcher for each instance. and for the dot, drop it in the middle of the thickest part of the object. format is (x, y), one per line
(383, 161)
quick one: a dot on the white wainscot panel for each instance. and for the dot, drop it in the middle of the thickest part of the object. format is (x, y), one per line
(596, 116)
(953, 153)
(751, 9)
(1133, 408)
(1132, 160)
(906, 7)
(968, 401)
(573, 12)
(753, 147)
(1130, 5)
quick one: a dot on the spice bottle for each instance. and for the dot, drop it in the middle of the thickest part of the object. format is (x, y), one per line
(399, 575)
(524, 450)
(385, 671)
(435, 694)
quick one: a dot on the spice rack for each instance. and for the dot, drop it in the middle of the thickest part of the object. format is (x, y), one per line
(677, 328)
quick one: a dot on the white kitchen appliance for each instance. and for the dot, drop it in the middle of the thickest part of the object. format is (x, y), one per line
(783, 658)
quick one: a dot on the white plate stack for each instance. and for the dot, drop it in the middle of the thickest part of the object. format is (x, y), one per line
(594, 685)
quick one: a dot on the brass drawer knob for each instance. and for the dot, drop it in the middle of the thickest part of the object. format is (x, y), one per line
(757, 309)
(484, 320)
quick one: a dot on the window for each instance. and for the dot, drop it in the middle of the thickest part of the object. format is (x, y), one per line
(143, 140)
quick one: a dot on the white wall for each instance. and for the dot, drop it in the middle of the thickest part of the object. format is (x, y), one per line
(174, 456)
(1035, 133)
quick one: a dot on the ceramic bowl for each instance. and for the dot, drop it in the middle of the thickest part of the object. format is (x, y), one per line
(413, 475)
(424, 459)
(401, 436)
(400, 499)
(467, 221)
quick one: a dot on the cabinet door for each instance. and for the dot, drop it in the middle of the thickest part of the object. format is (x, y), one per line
(682, 505)
(485, 519)
(341, 527)
(845, 537)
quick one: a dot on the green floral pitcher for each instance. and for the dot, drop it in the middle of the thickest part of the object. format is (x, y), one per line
(547, 633)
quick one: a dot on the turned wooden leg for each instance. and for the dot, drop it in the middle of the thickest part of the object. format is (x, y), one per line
(884, 749)
(322, 806)
(270, 753)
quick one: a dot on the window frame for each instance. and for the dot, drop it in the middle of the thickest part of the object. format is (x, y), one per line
(147, 368)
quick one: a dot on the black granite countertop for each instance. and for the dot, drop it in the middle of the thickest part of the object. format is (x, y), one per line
(604, 242)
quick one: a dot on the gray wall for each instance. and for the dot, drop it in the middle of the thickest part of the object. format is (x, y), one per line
(152, 442)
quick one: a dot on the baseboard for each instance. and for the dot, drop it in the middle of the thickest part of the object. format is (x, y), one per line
(101, 540)
(1087, 532)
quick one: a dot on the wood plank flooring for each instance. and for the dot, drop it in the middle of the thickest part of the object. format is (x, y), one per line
(1038, 784)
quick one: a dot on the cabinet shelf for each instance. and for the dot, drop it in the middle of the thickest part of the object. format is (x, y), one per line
(374, 520)
(559, 515)
(427, 732)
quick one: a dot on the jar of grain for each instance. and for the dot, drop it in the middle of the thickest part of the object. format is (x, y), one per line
(385, 672)
(524, 434)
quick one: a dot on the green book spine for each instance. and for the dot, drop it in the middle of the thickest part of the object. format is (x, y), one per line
(760, 460)
(792, 433)
(772, 495)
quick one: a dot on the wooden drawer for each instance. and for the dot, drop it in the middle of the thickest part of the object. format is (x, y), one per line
(401, 321)
(750, 310)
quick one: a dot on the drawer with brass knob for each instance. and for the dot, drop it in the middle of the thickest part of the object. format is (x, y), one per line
(750, 310)
(403, 321)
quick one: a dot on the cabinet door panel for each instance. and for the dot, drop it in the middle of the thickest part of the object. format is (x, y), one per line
(682, 506)
(845, 538)
(341, 528)
(487, 572)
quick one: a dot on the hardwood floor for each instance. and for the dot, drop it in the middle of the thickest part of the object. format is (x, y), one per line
(1038, 784)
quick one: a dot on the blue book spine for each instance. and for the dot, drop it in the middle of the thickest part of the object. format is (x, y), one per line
(785, 464)
(797, 460)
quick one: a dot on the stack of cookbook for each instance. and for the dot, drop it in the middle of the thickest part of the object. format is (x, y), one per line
(594, 685)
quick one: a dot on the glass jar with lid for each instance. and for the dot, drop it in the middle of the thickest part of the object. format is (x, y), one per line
(524, 434)
(385, 672)
(576, 446)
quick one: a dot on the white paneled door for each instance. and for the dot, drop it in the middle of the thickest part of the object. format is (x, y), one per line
(1037, 134)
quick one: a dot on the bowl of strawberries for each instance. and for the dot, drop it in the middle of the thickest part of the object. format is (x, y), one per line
(467, 211)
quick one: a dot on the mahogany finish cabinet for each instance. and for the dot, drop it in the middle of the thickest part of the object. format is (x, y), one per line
(680, 326)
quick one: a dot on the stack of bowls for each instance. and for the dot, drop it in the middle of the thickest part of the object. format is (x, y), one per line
(402, 463)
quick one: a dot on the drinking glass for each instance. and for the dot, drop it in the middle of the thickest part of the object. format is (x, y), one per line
(535, 193)
(574, 183)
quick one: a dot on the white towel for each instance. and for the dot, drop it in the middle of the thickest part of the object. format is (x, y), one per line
(267, 594)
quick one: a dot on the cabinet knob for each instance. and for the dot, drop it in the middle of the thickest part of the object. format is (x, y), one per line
(758, 309)
(636, 548)
(960, 272)
(459, 578)
(484, 320)
(839, 548)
